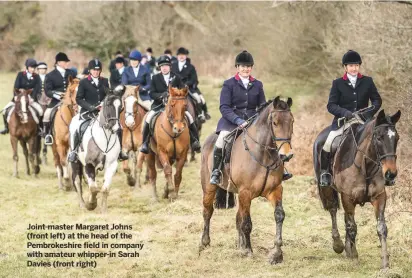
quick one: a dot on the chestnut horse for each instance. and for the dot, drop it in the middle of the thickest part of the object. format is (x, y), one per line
(131, 119)
(364, 163)
(61, 144)
(24, 129)
(255, 169)
(170, 142)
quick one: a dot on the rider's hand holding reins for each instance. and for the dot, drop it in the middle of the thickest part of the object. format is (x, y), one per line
(58, 95)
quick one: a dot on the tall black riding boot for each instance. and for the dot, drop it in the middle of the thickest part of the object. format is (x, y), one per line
(325, 175)
(122, 155)
(72, 157)
(194, 138)
(48, 139)
(144, 148)
(6, 125)
(217, 164)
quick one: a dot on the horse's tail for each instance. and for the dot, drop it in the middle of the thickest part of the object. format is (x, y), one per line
(224, 199)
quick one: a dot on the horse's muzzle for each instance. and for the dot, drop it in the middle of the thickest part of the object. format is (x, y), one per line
(286, 158)
(390, 177)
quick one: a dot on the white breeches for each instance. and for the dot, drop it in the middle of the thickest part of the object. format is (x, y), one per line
(47, 113)
(335, 133)
(33, 104)
(199, 98)
(220, 140)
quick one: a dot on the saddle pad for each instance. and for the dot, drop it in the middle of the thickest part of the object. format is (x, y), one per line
(153, 121)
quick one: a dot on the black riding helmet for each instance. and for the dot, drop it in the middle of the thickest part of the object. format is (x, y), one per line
(351, 57)
(95, 64)
(244, 58)
(31, 63)
(164, 60)
(182, 50)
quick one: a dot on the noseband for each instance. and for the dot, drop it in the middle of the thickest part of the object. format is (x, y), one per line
(170, 118)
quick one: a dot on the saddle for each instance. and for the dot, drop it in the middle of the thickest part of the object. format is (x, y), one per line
(229, 141)
(82, 130)
(153, 121)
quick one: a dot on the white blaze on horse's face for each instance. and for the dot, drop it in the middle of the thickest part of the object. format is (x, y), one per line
(391, 133)
(116, 104)
(23, 104)
(129, 110)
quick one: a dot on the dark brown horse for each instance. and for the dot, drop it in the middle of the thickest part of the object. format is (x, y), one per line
(170, 142)
(24, 129)
(255, 169)
(364, 163)
(191, 107)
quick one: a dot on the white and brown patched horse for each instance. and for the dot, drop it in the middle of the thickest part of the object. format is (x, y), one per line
(99, 151)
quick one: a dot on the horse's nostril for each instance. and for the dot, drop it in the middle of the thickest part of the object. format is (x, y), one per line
(389, 175)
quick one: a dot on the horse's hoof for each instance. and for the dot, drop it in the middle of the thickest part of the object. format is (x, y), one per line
(276, 256)
(338, 246)
(36, 169)
(246, 253)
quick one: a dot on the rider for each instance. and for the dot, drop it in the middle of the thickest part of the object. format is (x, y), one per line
(42, 70)
(151, 60)
(135, 75)
(240, 97)
(26, 79)
(56, 83)
(348, 94)
(91, 91)
(187, 73)
(116, 74)
(159, 92)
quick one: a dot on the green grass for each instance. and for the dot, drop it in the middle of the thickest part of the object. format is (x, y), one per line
(171, 231)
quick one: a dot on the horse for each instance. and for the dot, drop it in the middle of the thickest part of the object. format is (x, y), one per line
(170, 142)
(62, 119)
(99, 151)
(131, 120)
(255, 169)
(191, 107)
(44, 101)
(24, 129)
(365, 161)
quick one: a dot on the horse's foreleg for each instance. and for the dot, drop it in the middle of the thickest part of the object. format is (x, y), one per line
(379, 206)
(337, 241)
(139, 168)
(167, 169)
(59, 170)
(244, 222)
(350, 226)
(275, 198)
(178, 175)
(62, 156)
(109, 172)
(93, 190)
(14, 141)
(44, 159)
(151, 167)
(208, 197)
(28, 157)
(77, 177)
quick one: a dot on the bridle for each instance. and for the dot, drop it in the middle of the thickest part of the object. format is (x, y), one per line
(131, 114)
(170, 118)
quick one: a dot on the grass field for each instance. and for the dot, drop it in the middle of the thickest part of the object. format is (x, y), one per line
(171, 231)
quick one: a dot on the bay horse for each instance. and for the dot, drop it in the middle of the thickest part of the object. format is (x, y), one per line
(255, 169)
(61, 143)
(99, 150)
(131, 119)
(364, 163)
(170, 142)
(24, 129)
(44, 101)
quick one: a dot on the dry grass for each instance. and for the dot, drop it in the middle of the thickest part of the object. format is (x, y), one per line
(171, 231)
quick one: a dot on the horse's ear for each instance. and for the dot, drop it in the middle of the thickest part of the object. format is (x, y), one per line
(16, 91)
(70, 79)
(186, 90)
(395, 117)
(276, 101)
(170, 89)
(29, 91)
(381, 117)
(289, 102)
(136, 90)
